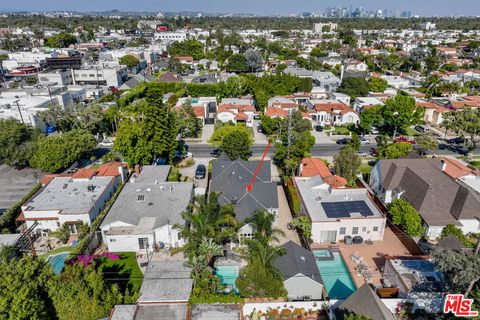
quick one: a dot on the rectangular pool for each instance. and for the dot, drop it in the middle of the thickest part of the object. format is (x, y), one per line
(228, 275)
(335, 275)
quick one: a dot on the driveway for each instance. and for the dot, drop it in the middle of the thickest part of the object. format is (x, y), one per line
(207, 132)
(284, 218)
(322, 137)
(260, 138)
(190, 172)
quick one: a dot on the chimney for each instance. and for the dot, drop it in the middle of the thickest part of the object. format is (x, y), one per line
(122, 173)
(444, 165)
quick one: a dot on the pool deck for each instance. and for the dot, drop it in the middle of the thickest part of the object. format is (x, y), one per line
(374, 255)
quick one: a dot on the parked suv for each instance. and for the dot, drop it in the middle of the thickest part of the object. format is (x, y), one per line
(200, 172)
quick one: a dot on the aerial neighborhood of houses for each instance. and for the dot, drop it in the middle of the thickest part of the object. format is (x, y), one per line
(170, 166)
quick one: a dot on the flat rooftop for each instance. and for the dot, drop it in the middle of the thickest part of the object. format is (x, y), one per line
(325, 203)
(69, 196)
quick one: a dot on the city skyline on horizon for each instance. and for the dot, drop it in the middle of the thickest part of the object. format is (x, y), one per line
(265, 7)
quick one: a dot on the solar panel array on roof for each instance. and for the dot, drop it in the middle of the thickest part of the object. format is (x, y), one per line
(345, 209)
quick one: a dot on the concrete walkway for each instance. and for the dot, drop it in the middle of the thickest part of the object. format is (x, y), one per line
(322, 137)
(207, 132)
(284, 218)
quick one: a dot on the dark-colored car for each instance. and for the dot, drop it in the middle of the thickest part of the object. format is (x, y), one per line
(344, 141)
(215, 153)
(458, 148)
(201, 171)
(259, 129)
(443, 146)
(457, 140)
(318, 128)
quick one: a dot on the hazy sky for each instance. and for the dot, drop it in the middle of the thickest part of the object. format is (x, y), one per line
(423, 7)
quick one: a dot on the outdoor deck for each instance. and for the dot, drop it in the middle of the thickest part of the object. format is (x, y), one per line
(373, 255)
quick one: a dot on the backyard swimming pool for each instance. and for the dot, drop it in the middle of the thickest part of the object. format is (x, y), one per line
(228, 275)
(58, 261)
(335, 275)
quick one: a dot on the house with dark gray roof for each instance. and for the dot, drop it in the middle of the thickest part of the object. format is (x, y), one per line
(145, 211)
(364, 302)
(301, 276)
(230, 179)
(438, 197)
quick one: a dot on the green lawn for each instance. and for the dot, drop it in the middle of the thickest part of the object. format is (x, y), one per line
(341, 131)
(56, 251)
(126, 267)
(411, 132)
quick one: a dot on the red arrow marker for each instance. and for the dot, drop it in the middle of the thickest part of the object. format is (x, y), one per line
(249, 187)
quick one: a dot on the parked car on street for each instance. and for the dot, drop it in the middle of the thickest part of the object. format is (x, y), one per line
(458, 148)
(457, 140)
(364, 141)
(422, 129)
(318, 128)
(344, 141)
(200, 172)
(362, 154)
(215, 153)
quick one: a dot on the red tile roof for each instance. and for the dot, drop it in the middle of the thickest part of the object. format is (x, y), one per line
(239, 107)
(312, 167)
(276, 112)
(336, 181)
(109, 169)
(329, 107)
(456, 169)
(241, 116)
(83, 174)
(199, 111)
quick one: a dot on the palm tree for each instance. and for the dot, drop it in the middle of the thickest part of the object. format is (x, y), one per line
(205, 220)
(262, 224)
(210, 249)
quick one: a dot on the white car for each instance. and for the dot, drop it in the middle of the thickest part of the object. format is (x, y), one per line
(364, 141)
(362, 154)
(106, 143)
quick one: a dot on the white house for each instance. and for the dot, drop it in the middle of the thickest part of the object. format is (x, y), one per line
(396, 81)
(144, 213)
(67, 200)
(361, 103)
(331, 112)
(338, 212)
(236, 110)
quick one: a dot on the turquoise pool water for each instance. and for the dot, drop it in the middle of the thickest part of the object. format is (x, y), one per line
(228, 275)
(58, 261)
(335, 275)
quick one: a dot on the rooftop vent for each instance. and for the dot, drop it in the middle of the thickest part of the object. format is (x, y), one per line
(234, 200)
(65, 185)
(141, 197)
(90, 187)
(149, 189)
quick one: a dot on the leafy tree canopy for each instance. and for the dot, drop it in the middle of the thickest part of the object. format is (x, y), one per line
(354, 87)
(377, 84)
(406, 217)
(466, 123)
(61, 40)
(129, 60)
(347, 163)
(189, 47)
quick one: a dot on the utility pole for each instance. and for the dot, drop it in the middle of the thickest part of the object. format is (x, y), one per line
(19, 111)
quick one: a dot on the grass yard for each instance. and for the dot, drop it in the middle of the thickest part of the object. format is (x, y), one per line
(411, 132)
(340, 130)
(126, 267)
(56, 251)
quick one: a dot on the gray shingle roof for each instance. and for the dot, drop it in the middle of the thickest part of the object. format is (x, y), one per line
(162, 311)
(450, 242)
(166, 281)
(148, 199)
(297, 260)
(231, 178)
(437, 197)
(365, 302)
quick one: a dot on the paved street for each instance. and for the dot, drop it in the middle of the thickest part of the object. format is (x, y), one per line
(318, 150)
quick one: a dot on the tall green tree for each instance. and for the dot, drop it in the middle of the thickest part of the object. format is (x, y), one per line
(466, 123)
(18, 142)
(461, 270)
(401, 112)
(377, 84)
(81, 293)
(427, 142)
(394, 150)
(61, 40)
(55, 153)
(371, 117)
(354, 87)
(23, 289)
(234, 140)
(237, 63)
(262, 224)
(149, 132)
(129, 60)
(406, 217)
(189, 125)
(347, 163)
(189, 47)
